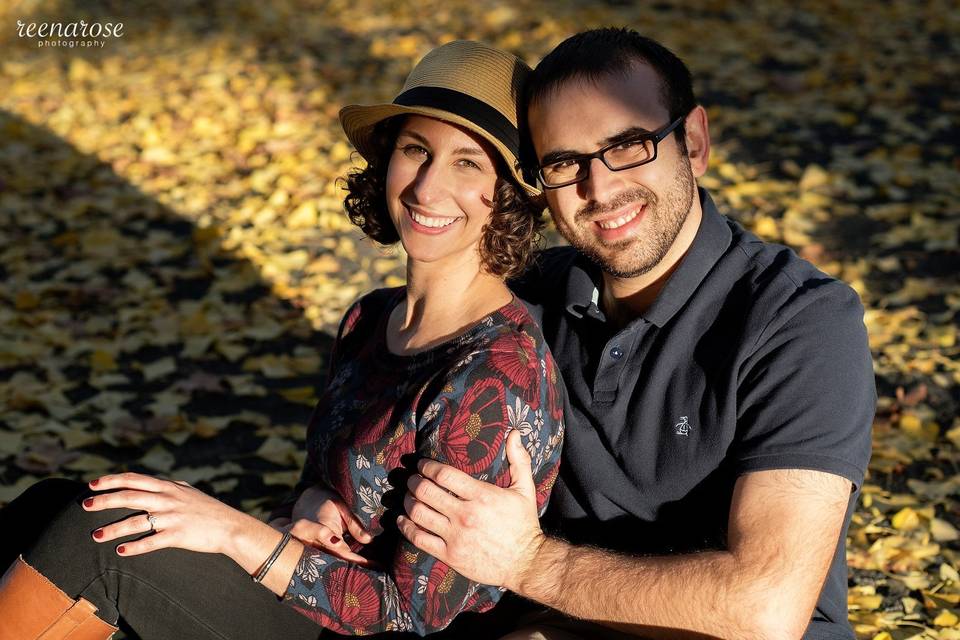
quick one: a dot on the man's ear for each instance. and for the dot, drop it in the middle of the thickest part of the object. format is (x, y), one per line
(697, 132)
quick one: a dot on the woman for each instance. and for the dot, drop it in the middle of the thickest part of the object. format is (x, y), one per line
(442, 368)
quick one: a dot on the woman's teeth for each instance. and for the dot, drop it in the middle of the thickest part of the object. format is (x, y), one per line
(619, 222)
(434, 222)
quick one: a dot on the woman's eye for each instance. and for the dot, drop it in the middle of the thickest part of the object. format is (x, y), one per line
(470, 164)
(414, 151)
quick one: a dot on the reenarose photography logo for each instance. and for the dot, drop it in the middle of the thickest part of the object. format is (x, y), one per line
(70, 34)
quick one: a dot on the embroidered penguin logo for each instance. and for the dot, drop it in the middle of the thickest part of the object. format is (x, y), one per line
(682, 428)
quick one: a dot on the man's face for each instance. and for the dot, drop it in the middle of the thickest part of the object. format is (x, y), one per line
(625, 221)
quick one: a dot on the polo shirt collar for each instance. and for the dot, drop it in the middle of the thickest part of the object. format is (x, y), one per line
(585, 279)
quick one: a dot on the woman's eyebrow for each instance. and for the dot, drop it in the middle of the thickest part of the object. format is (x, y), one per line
(467, 151)
(413, 134)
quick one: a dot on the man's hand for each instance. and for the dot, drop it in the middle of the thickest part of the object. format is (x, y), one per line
(487, 533)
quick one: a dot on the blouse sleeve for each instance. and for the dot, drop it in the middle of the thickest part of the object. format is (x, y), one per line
(512, 384)
(309, 475)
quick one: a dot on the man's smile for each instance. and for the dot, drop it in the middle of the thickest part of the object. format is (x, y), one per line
(619, 221)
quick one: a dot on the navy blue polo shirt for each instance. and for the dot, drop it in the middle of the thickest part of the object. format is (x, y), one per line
(749, 358)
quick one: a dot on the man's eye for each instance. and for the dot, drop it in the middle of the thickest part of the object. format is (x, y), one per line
(563, 164)
(470, 164)
(629, 144)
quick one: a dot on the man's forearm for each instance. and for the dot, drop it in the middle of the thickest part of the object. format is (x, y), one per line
(704, 594)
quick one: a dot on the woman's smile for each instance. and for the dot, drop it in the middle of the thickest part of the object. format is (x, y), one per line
(440, 181)
(427, 222)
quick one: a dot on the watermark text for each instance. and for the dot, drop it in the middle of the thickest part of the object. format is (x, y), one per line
(70, 34)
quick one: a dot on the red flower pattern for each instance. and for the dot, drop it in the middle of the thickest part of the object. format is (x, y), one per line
(470, 437)
(443, 601)
(354, 597)
(463, 423)
(401, 442)
(554, 387)
(521, 366)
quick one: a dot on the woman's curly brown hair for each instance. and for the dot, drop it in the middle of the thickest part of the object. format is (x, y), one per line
(508, 240)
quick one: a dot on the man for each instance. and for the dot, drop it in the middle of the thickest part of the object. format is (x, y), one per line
(720, 388)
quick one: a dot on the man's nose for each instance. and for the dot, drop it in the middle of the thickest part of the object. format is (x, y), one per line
(601, 183)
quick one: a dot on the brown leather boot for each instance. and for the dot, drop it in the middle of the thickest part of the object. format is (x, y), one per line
(33, 608)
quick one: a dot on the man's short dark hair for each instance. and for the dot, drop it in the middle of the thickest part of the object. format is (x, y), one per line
(599, 53)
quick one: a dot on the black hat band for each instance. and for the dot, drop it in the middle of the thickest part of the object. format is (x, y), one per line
(476, 111)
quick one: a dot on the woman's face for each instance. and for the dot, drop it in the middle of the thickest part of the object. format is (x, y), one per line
(440, 184)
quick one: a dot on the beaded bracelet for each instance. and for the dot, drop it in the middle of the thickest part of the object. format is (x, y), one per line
(273, 558)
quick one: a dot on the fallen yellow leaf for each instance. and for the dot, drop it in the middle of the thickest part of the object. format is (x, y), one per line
(905, 520)
(943, 531)
(102, 361)
(946, 618)
(26, 300)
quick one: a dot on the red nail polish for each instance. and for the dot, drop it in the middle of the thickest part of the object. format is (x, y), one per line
(98, 534)
(120, 549)
(88, 502)
(93, 483)
(334, 540)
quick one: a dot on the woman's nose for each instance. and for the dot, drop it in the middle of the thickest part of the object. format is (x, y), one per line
(430, 183)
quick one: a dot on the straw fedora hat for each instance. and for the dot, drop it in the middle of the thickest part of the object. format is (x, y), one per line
(463, 82)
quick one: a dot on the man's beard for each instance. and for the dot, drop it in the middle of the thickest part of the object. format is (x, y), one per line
(637, 255)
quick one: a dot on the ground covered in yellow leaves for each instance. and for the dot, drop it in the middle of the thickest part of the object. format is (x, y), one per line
(174, 257)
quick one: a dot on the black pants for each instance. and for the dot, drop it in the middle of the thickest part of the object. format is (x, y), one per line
(170, 593)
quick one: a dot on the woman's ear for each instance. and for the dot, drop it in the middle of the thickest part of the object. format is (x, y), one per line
(697, 134)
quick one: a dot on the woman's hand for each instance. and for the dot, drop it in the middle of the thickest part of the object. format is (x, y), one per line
(185, 517)
(321, 519)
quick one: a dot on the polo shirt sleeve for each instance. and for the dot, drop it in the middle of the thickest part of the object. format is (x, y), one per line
(806, 394)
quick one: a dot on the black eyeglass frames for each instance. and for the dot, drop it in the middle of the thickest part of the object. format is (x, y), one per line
(618, 156)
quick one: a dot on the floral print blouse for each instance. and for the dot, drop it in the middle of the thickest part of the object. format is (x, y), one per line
(380, 413)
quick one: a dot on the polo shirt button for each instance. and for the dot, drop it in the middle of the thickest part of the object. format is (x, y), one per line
(616, 353)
